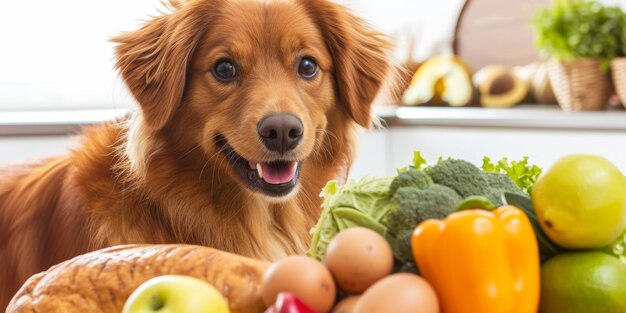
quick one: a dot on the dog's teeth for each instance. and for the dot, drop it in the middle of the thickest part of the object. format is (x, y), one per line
(259, 170)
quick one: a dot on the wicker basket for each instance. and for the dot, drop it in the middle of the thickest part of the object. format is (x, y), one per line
(618, 67)
(580, 85)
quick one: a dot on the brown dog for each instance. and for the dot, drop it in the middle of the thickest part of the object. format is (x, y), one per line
(248, 107)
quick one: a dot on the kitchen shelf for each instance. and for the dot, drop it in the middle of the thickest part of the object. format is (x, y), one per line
(523, 116)
(61, 122)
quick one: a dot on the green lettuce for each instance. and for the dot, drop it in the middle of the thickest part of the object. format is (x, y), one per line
(523, 174)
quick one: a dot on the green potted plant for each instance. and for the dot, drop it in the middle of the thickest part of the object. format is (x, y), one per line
(618, 65)
(581, 37)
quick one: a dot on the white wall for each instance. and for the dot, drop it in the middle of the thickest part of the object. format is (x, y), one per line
(382, 152)
(57, 54)
(429, 23)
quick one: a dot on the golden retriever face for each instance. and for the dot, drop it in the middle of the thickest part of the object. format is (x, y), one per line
(261, 96)
(254, 83)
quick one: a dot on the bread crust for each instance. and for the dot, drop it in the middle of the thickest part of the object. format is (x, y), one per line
(102, 280)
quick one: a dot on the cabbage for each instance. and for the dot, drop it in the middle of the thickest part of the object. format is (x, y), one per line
(357, 203)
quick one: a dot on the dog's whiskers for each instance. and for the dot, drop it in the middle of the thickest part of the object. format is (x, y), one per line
(215, 155)
(188, 152)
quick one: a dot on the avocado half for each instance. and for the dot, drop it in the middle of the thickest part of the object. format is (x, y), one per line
(499, 87)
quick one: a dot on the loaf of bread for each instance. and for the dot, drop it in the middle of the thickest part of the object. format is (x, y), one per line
(101, 281)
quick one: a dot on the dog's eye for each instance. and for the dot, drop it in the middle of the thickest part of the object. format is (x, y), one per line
(308, 68)
(225, 71)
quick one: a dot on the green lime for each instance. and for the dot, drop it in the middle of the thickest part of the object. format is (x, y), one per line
(585, 282)
(581, 202)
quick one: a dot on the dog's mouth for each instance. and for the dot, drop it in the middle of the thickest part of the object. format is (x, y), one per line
(275, 179)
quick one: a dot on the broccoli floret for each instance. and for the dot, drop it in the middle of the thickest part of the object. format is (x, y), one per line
(410, 207)
(414, 205)
(468, 180)
(410, 178)
(499, 184)
(462, 176)
(401, 245)
(501, 181)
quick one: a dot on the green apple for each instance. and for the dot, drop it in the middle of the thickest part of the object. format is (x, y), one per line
(175, 294)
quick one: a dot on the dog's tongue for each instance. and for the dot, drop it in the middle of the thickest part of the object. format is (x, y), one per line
(278, 173)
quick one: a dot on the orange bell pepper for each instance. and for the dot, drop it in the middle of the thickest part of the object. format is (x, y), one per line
(480, 261)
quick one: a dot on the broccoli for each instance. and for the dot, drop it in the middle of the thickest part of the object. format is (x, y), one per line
(498, 184)
(414, 205)
(468, 180)
(411, 206)
(401, 245)
(412, 177)
(500, 181)
(464, 177)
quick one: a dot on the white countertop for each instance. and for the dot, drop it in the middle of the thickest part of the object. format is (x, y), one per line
(524, 116)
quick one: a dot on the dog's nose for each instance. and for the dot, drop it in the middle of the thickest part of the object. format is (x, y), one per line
(280, 132)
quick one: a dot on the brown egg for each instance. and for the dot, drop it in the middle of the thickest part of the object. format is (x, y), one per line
(358, 257)
(346, 305)
(306, 278)
(399, 293)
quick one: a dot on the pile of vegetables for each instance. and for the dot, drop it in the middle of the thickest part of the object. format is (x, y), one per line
(453, 237)
(393, 206)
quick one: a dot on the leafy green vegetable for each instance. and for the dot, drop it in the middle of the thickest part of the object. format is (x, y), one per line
(579, 28)
(358, 203)
(418, 163)
(418, 160)
(523, 174)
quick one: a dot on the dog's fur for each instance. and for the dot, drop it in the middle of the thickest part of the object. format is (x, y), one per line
(158, 176)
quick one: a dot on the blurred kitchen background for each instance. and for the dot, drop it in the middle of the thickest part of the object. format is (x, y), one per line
(510, 90)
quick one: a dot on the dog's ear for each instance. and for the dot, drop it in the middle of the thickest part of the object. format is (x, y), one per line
(360, 56)
(153, 61)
